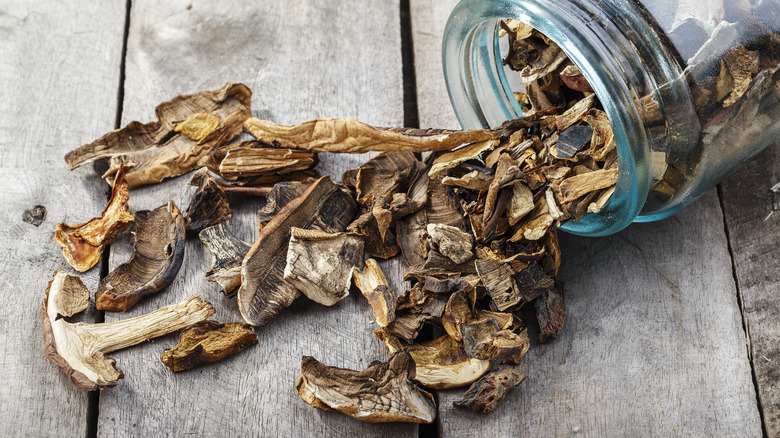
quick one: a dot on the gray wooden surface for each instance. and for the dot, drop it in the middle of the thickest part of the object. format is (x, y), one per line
(58, 85)
(654, 344)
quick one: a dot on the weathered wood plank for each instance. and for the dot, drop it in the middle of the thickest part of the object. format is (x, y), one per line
(58, 85)
(752, 219)
(653, 343)
(302, 60)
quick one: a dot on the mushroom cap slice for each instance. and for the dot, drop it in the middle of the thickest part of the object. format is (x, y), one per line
(159, 251)
(83, 244)
(227, 253)
(208, 205)
(488, 392)
(208, 342)
(441, 363)
(80, 349)
(381, 393)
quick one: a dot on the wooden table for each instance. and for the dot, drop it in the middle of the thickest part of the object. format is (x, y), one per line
(672, 327)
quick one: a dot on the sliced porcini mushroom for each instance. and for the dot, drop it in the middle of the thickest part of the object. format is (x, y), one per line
(521, 203)
(351, 136)
(80, 349)
(227, 253)
(159, 252)
(438, 266)
(532, 282)
(83, 244)
(452, 159)
(208, 342)
(324, 206)
(487, 393)
(550, 313)
(320, 264)
(376, 245)
(381, 393)
(579, 185)
(373, 285)
(280, 195)
(484, 339)
(208, 205)
(474, 180)
(382, 176)
(459, 311)
(441, 363)
(497, 278)
(249, 159)
(185, 133)
(451, 242)
(413, 308)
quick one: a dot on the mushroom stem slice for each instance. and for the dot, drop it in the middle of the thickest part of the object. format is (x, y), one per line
(83, 244)
(381, 393)
(373, 285)
(80, 349)
(159, 252)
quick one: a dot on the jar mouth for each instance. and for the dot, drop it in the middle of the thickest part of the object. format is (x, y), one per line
(482, 97)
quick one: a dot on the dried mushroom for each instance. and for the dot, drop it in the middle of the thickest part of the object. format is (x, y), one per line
(324, 206)
(351, 136)
(441, 363)
(451, 242)
(208, 342)
(382, 176)
(174, 144)
(80, 349)
(320, 264)
(484, 339)
(83, 244)
(488, 392)
(373, 285)
(250, 159)
(280, 195)
(159, 252)
(381, 393)
(413, 308)
(208, 205)
(550, 313)
(227, 253)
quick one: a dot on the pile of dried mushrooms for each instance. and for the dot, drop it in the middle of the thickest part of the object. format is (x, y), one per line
(475, 223)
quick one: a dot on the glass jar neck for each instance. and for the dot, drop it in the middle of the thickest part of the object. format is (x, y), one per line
(617, 49)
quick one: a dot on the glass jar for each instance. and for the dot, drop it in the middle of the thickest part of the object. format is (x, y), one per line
(691, 87)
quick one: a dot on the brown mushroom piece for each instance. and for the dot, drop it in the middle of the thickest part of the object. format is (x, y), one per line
(159, 252)
(208, 205)
(80, 349)
(324, 206)
(188, 128)
(496, 276)
(381, 393)
(280, 195)
(320, 264)
(451, 242)
(373, 285)
(382, 176)
(83, 244)
(367, 228)
(413, 308)
(208, 342)
(550, 313)
(251, 159)
(227, 253)
(484, 339)
(441, 363)
(487, 393)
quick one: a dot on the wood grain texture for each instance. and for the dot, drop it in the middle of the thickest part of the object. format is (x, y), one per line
(58, 82)
(753, 219)
(302, 60)
(653, 344)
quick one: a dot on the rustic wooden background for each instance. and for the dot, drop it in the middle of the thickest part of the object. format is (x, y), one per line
(672, 327)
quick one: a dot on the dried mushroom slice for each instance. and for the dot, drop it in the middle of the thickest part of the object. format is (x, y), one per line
(83, 244)
(351, 136)
(320, 264)
(381, 393)
(550, 313)
(373, 285)
(488, 392)
(459, 311)
(249, 159)
(579, 185)
(280, 195)
(413, 308)
(183, 134)
(451, 242)
(367, 228)
(227, 253)
(382, 176)
(159, 252)
(497, 278)
(441, 363)
(208, 205)
(208, 342)
(80, 349)
(324, 206)
(484, 339)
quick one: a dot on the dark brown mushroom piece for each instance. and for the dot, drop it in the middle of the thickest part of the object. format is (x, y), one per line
(208, 205)
(188, 129)
(208, 342)
(382, 176)
(459, 311)
(484, 339)
(550, 313)
(497, 278)
(440, 363)
(80, 349)
(227, 253)
(381, 393)
(324, 206)
(83, 244)
(413, 308)
(367, 228)
(280, 195)
(532, 282)
(451, 242)
(159, 252)
(373, 285)
(438, 266)
(487, 393)
(320, 264)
